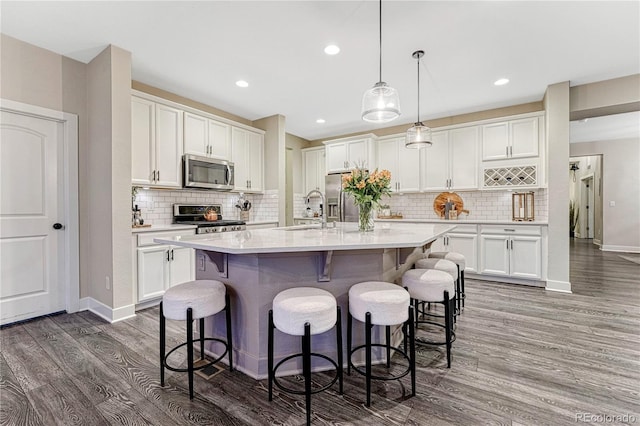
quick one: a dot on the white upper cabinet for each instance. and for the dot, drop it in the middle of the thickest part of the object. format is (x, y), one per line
(452, 161)
(402, 162)
(518, 138)
(344, 154)
(247, 154)
(156, 144)
(206, 137)
(313, 161)
(219, 140)
(196, 135)
(143, 137)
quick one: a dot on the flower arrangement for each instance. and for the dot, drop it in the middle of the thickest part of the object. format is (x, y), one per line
(367, 190)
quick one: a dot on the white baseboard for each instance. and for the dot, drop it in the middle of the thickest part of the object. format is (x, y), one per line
(106, 312)
(625, 249)
(559, 286)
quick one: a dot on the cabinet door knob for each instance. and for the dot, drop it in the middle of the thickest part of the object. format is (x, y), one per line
(58, 226)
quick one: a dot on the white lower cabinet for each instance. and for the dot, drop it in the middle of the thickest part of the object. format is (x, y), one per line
(158, 267)
(511, 251)
(463, 241)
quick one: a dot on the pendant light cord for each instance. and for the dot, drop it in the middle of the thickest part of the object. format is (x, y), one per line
(418, 119)
(380, 21)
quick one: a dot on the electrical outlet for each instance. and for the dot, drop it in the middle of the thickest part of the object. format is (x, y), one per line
(150, 206)
(201, 262)
(612, 203)
(107, 283)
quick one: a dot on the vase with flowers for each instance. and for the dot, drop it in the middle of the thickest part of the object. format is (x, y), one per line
(367, 188)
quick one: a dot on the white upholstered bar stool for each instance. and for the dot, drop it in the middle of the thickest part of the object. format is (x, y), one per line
(304, 311)
(446, 266)
(194, 300)
(381, 303)
(459, 260)
(433, 286)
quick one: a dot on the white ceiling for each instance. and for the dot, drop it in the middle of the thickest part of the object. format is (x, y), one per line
(199, 49)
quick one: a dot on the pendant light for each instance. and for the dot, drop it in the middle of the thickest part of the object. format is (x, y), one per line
(418, 135)
(381, 103)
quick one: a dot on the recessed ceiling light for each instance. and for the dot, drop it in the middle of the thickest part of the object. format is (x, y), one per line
(501, 81)
(332, 49)
(320, 121)
(242, 83)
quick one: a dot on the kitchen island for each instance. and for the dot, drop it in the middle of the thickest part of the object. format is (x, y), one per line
(258, 264)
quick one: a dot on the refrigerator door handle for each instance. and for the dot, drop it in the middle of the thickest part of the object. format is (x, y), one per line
(341, 206)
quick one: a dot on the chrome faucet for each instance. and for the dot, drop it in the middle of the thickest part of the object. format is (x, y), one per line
(324, 206)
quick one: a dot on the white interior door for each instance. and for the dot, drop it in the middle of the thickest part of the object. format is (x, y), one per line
(31, 202)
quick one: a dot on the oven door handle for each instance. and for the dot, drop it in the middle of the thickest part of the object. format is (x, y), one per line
(229, 176)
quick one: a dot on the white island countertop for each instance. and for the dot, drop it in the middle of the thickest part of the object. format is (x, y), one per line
(305, 238)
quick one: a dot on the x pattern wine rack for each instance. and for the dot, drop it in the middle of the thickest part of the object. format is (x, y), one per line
(511, 176)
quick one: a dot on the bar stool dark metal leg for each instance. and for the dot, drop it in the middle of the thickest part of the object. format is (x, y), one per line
(270, 355)
(448, 316)
(306, 368)
(190, 350)
(201, 327)
(464, 295)
(368, 327)
(339, 347)
(412, 348)
(349, 326)
(388, 339)
(229, 334)
(162, 345)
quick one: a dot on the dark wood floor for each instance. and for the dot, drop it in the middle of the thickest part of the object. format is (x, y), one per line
(523, 356)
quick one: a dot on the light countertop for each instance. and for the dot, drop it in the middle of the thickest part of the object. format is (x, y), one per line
(465, 221)
(159, 228)
(305, 238)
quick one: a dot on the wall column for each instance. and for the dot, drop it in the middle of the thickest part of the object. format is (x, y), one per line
(556, 103)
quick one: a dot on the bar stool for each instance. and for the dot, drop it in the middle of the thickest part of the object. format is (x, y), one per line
(194, 300)
(433, 286)
(446, 266)
(304, 311)
(459, 260)
(386, 304)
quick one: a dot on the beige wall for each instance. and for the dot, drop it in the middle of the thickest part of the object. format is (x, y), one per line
(109, 176)
(99, 93)
(620, 184)
(36, 76)
(556, 102)
(275, 158)
(607, 97)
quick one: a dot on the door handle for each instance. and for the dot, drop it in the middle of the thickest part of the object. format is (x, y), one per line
(58, 226)
(507, 244)
(171, 254)
(158, 173)
(168, 259)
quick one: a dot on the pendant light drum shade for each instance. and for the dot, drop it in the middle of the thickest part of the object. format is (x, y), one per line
(380, 104)
(418, 136)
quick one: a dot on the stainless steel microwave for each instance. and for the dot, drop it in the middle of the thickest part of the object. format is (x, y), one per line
(207, 173)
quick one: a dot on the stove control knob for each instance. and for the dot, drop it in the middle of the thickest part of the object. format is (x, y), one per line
(213, 229)
(208, 230)
(223, 229)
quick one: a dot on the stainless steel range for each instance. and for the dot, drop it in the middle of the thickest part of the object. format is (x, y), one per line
(207, 218)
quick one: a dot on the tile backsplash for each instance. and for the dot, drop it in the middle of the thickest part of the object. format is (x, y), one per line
(482, 205)
(157, 204)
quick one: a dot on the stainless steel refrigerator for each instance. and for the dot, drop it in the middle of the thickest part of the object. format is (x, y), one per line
(340, 205)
